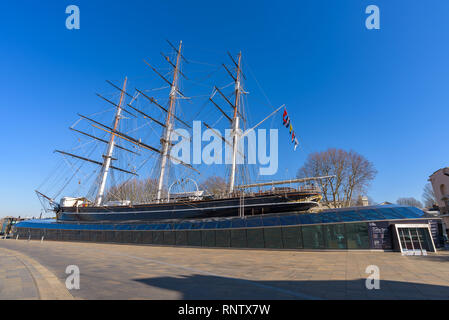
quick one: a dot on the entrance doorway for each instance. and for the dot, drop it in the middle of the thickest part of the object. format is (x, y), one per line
(414, 239)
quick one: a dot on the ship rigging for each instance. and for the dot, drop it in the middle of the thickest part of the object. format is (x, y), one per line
(161, 205)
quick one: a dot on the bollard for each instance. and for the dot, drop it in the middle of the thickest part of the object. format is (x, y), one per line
(17, 238)
(42, 239)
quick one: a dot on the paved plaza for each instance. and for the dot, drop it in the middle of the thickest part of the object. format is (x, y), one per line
(37, 270)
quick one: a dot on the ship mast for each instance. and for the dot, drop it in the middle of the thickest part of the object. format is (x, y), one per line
(108, 157)
(235, 125)
(169, 123)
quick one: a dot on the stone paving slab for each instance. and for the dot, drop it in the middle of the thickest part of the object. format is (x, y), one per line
(114, 271)
(22, 277)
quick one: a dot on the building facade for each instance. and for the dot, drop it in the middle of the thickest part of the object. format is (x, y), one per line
(440, 184)
(397, 228)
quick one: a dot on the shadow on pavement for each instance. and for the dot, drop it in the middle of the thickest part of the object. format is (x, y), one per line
(204, 287)
(434, 257)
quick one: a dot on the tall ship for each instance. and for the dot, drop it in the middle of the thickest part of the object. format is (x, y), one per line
(156, 184)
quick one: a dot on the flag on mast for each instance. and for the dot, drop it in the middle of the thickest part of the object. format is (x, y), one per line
(288, 124)
(296, 143)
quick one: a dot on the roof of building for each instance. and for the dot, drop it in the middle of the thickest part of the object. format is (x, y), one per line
(445, 168)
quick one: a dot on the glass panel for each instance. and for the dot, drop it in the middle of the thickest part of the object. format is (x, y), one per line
(158, 226)
(315, 218)
(76, 235)
(35, 234)
(110, 236)
(208, 238)
(350, 215)
(288, 220)
(327, 217)
(118, 236)
(291, 237)
(169, 237)
(223, 238)
(389, 213)
(305, 219)
(405, 239)
(210, 225)
(127, 236)
(335, 236)
(415, 238)
(411, 212)
(67, 236)
(255, 238)
(426, 241)
(238, 223)
(313, 237)
(238, 238)
(402, 211)
(183, 226)
(254, 222)
(158, 237)
(273, 237)
(224, 224)
(138, 238)
(132, 239)
(270, 221)
(181, 238)
(357, 235)
(371, 214)
(196, 225)
(194, 238)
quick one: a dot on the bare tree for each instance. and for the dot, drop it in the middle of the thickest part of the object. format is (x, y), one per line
(214, 185)
(353, 175)
(412, 202)
(137, 191)
(428, 196)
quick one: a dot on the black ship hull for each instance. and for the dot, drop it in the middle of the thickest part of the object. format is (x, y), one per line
(251, 205)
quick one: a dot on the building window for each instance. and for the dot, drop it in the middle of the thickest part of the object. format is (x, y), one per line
(357, 235)
(335, 236)
(313, 237)
(291, 237)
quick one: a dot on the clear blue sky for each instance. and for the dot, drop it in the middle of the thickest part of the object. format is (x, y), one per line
(382, 93)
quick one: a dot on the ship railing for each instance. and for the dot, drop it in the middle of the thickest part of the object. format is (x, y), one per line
(240, 193)
(309, 189)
